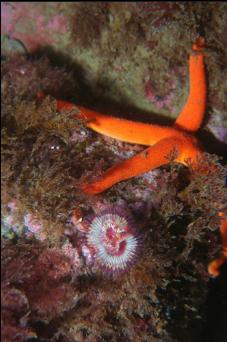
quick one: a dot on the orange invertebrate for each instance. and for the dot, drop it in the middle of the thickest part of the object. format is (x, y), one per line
(161, 139)
(214, 266)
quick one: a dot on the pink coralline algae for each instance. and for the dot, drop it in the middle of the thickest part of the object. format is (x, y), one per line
(113, 238)
(160, 102)
(160, 12)
(220, 132)
(72, 253)
(34, 29)
(29, 225)
(34, 226)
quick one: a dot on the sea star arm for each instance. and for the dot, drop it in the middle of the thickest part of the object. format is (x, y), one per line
(118, 128)
(151, 158)
(165, 139)
(215, 265)
(189, 119)
(192, 114)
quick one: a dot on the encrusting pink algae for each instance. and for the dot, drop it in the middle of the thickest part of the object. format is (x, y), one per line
(129, 264)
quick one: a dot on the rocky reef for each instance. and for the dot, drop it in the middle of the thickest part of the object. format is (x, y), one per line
(52, 287)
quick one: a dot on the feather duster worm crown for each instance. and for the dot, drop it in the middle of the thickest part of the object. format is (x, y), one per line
(112, 235)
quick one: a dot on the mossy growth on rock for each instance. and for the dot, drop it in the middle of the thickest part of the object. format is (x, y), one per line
(45, 155)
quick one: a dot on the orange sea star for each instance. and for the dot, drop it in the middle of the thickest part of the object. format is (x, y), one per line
(162, 139)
